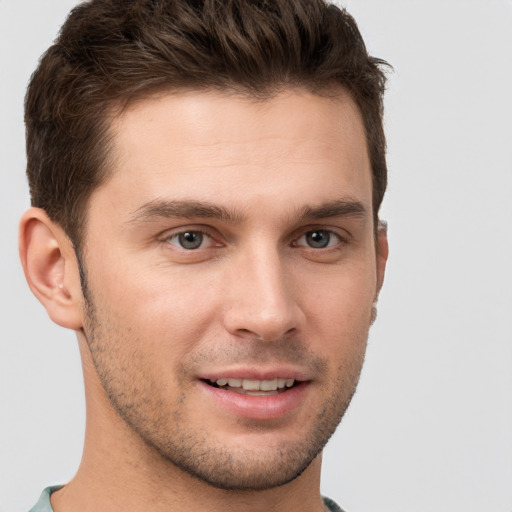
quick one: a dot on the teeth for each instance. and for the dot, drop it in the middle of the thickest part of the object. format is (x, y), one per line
(256, 385)
(251, 385)
(268, 385)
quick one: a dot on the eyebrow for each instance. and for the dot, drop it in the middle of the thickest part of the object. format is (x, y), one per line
(191, 209)
(187, 209)
(338, 208)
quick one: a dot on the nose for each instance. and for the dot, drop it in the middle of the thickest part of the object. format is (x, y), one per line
(261, 300)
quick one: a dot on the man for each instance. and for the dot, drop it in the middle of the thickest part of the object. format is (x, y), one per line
(206, 179)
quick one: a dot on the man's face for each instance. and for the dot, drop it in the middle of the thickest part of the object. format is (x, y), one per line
(231, 269)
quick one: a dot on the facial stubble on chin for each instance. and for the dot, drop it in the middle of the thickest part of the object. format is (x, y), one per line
(126, 380)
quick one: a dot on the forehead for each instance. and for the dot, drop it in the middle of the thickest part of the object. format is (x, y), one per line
(204, 145)
(214, 117)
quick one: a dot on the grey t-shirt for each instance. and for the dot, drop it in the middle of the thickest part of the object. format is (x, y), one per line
(43, 505)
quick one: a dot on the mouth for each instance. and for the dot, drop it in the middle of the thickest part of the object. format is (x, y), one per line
(253, 387)
(257, 395)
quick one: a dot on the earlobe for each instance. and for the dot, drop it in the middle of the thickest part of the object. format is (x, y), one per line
(50, 267)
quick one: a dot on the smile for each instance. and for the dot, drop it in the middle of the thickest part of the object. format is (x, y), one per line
(252, 386)
(256, 399)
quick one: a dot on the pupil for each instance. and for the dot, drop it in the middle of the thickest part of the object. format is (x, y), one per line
(191, 240)
(318, 239)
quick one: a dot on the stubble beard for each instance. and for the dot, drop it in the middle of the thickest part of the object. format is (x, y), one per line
(126, 380)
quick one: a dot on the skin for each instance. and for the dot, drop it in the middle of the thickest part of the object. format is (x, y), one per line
(259, 296)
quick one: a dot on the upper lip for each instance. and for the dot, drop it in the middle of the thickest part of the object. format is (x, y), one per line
(253, 373)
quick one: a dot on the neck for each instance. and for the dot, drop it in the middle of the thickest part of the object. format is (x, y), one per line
(120, 472)
(116, 489)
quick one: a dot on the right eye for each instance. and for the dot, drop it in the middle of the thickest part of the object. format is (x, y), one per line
(190, 240)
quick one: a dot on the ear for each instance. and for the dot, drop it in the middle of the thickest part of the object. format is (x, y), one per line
(382, 250)
(51, 268)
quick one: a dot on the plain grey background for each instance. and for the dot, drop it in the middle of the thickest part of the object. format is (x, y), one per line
(430, 428)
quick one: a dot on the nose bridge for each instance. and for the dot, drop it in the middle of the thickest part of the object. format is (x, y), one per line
(262, 300)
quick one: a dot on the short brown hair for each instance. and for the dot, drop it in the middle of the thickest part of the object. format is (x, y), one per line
(110, 52)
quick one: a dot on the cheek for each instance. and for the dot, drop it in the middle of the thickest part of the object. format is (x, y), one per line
(344, 296)
(339, 313)
(167, 311)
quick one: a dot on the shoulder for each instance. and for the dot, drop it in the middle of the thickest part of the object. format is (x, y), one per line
(331, 505)
(43, 504)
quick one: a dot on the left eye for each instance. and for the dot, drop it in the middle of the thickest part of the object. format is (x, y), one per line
(189, 240)
(318, 239)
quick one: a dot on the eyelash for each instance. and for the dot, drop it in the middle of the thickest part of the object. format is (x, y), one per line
(331, 235)
(338, 239)
(183, 233)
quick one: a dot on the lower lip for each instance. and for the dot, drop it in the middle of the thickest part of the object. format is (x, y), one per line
(258, 407)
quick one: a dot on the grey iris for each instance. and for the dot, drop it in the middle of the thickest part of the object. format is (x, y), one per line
(191, 239)
(318, 239)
